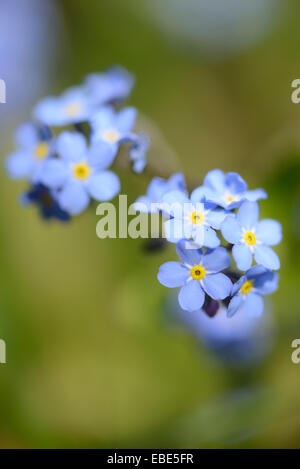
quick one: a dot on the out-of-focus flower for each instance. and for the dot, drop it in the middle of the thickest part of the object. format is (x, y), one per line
(157, 188)
(73, 106)
(192, 219)
(227, 190)
(252, 237)
(248, 289)
(138, 151)
(45, 200)
(33, 150)
(113, 85)
(199, 274)
(79, 174)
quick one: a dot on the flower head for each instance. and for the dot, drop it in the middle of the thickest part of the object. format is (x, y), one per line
(227, 190)
(79, 174)
(158, 187)
(33, 149)
(248, 289)
(198, 274)
(192, 219)
(252, 237)
(73, 106)
(112, 86)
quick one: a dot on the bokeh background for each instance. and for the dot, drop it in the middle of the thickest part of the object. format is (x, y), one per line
(97, 356)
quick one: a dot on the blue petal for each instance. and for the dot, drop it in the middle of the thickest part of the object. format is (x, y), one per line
(176, 182)
(237, 285)
(102, 154)
(235, 304)
(235, 183)
(174, 203)
(176, 229)
(125, 119)
(255, 195)
(242, 256)
(217, 286)
(27, 135)
(172, 274)
(216, 260)
(73, 198)
(267, 257)
(54, 173)
(71, 146)
(216, 217)
(231, 229)
(254, 304)
(210, 238)
(19, 165)
(266, 283)
(103, 119)
(103, 185)
(248, 214)
(215, 180)
(269, 232)
(191, 296)
(200, 194)
(189, 252)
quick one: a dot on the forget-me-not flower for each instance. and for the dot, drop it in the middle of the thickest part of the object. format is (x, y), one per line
(252, 237)
(248, 289)
(113, 85)
(192, 219)
(110, 128)
(79, 174)
(198, 274)
(227, 190)
(33, 150)
(71, 107)
(158, 187)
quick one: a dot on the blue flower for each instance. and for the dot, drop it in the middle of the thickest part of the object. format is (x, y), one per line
(112, 86)
(192, 219)
(157, 188)
(248, 289)
(27, 161)
(199, 274)
(110, 128)
(79, 173)
(138, 151)
(46, 201)
(227, 190)
(72, 107)
(252, 237)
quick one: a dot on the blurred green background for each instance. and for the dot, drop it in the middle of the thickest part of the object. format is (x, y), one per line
(90, 359)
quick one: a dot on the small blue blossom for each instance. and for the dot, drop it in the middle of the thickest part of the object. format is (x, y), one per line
(46, 202)
(192, 219)
(248, 289)
(27, 161)
(157, 188)
(110, 128)
(199, 274)
(227, 190)
(72, 107)
(79, 174)
(112, 86)
(252, 237)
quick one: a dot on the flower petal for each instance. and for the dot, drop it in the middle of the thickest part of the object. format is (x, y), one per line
(73, 198)
(235, 304)
(215, 218)
(269, 232)
(218, 286)
(19, 165)
(254, 304)
(71, 146)
(256, 194)
(103, 185)
(174, 203)
(266, 283)
(189, 252)
(191, 296)
(267, 257)
(248, 214)
(177, 229)
(172, 274)
(125, 119)
(54, 173)
(235, 183)
(215, 180)
(231, 229)
(101, 154)
(242, 256)
(210, 239)
(216, 260)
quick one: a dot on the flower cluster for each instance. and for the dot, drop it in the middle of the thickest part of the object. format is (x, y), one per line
(221, 209)
(67, 150)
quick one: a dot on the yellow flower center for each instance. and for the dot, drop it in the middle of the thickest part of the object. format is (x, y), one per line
(198, 272)
(73, 109)
(197, 217)
(41, 150)
(81, 170)
(246, 287)
(229, 198)
(249, 238)
(111, 135)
